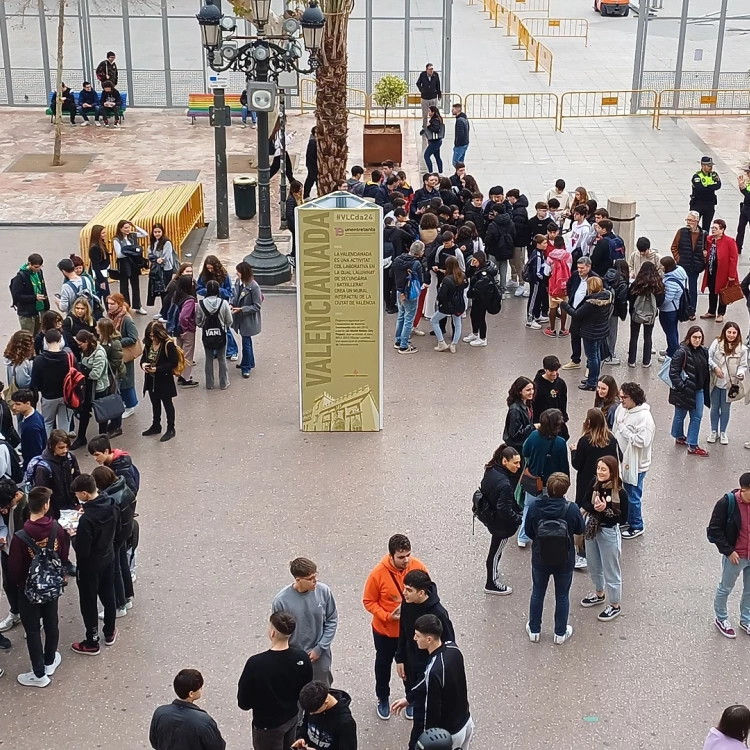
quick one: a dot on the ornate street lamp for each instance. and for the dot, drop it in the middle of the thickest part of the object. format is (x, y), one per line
(262, 60)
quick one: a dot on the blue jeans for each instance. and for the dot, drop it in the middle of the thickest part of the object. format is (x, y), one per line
(433, 149)
(694, 427)
(407, 309)
(635, 494)
(253, 116)
(435, 320)
(528, 500)
(720, 409)
(729, 575)
(668, 321)
(540, 580)
(459, 154)
(231, 344)
(129, 397)
(693, 288)
(248, 357)
(593, 353)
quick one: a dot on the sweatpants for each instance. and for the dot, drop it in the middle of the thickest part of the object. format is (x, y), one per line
(98, 582)
(31, 614)
(54, 412)
(322, 669)
(497, 545)
(603, 557)
(537, 300)
(208, 367)
(516, 264)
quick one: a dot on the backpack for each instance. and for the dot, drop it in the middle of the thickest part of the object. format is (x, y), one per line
(412, 285)
(493, 301)
(181, 361)
(74, 385)
(16, 468)
(214, 334)
(389, 251)
(173, 320)
(645, 311)
(529, 272)
(730, 512)
(616, 248)
(28, 476)
(685, 306)
(457, 303)
(558, 282)
(480, 507)
(89, 295)
(553, 539)
(44, 582)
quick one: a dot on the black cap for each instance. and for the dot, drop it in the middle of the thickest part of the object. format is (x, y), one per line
(707, 160)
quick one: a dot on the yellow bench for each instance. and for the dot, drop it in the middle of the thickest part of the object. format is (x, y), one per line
(179, 209)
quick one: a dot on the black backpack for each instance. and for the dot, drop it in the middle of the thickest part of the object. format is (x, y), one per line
(44, 582)
(458, 303)
(685, 308)
(480, 507)
(16, 467)
(553, 538)
(214, 334)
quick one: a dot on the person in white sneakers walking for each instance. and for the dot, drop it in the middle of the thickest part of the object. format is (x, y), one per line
(38, 533)
(729, 530)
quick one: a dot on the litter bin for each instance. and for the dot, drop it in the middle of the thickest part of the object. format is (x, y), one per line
(244, 197)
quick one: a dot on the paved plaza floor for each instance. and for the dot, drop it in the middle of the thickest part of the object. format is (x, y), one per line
(241, 491)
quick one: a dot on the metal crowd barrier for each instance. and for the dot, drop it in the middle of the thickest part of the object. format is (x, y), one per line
(410, 108)
(536, 106)
(561, 28)
(622, 103)
(179, 209)
(701, 103)
(526, 6)
(357, 101)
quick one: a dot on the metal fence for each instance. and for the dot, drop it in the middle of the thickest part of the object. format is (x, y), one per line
(701, 103)
(512, 106)
(560, 28)
(621, 103)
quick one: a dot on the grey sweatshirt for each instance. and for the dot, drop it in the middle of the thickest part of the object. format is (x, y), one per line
(316, 616)
(212, 305)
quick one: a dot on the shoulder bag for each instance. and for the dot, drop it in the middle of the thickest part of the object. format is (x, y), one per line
(531, 483)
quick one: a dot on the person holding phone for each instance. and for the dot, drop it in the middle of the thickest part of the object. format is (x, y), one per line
(158, 362)
(29, 294)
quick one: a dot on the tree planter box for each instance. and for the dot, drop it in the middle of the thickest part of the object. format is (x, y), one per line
(381, 143)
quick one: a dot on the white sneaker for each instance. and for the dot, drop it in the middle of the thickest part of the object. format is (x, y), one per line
(712, 437)
(234, 358)
(543, 319)
(723, 439)
(533, 324)
(157, 316)
(9, 622)
(29, 679)
(519, 291)
(560, 639)
(418, 332)
(581, 562)
(612, 361)
(522, 544)
(452, 348)
(142, 311)
(479, 342)
(128, 412)
(120, 613)
(526, 293)
(50, 669)
(132, 576)
(471, 337)
(533, 637)
(84, 123)
(511, 284)
(97, 123)
(129, 602)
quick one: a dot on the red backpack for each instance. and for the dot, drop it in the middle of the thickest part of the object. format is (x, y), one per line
(73, 385)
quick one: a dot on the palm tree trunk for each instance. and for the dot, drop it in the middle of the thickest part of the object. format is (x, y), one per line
(56, 153)
(332, 123)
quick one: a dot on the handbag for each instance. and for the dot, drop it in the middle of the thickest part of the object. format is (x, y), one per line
(129, 353)
(108, 408)
(731, 293)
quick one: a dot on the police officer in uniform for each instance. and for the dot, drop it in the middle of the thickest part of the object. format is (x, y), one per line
(703, 198)
(743, 182)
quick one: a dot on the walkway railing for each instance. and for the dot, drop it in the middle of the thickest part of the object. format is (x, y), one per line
(621, 103)
(701, 103)
(526, 6)
(543, 106)
(357, 101)
(560, 28)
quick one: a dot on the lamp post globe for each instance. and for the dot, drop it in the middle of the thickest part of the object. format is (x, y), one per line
(313, 22)
(209, 20)
(261, 11)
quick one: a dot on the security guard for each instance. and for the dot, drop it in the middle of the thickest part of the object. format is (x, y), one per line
(703, 199)
(743, 182)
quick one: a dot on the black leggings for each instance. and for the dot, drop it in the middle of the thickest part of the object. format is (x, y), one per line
(478, 316)
(276, 166)
(310, 182)
(156, 404)
(648, 332)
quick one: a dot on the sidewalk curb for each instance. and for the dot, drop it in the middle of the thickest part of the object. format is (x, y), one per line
(32, 224)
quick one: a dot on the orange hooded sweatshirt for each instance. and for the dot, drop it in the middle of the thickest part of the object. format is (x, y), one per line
(382, 595)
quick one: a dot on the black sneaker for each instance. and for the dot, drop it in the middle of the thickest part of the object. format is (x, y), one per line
(609, 613)
(168, 435)
(5, 643)
(189, 383)
(153, 430)
(592, 600)
(501, 590)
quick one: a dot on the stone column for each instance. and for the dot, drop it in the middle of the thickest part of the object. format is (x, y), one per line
(622, 213)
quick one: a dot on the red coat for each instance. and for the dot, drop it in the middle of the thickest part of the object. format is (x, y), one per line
(726, 265)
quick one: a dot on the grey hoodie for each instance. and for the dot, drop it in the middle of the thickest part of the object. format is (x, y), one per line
(315, 614)
(213, 304)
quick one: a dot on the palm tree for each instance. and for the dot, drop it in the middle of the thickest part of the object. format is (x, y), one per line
(330, 99)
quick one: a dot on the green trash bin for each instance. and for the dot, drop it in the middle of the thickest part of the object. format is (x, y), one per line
(244, 197)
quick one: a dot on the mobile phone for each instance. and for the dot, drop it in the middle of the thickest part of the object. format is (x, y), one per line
(57, 296)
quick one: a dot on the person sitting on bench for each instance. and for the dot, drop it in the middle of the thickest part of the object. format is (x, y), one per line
(110, 103)
(68, 105)
(88, 100)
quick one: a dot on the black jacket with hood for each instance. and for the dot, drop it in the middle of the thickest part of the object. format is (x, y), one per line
(518, 425)
(407, 653)
(446, 693)
(519, 214)
(722, 530)
(498, 487)
(551, 395)
(23, 295)
(481, 281)
(475, 214)
(57, 473)
(592, 315)
(125, 501)
(334, 729)
(553, 507)
(499, 239)
(447, 297)
(404, 263)
(614, 281)
(98, 528)
(181, 725)
(48, 373)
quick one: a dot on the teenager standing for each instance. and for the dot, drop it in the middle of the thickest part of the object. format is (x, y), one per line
(159, 360)
(247, 300)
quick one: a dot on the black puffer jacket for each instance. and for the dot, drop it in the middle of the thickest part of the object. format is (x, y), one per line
(689, 257)
(448, 301)
(482, 280)
(125, 501)
(519, 214)
(691, 361)
(57, 473)
(404, 263)
(518, 425)
(619, 288)
(498, 486)
(475, 214)
(500, 237)
(592, 316)
(722, 530)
